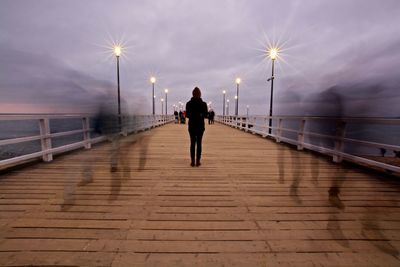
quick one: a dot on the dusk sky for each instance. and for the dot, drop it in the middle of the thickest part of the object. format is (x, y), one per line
(56, 55)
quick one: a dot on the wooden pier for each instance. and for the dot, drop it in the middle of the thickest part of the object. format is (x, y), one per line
(253, 202)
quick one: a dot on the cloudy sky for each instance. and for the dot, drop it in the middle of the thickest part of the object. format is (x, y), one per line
(56, 57)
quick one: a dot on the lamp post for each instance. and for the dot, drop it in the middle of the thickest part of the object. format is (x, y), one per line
(223, 102)
(166, 101)
(117, 52)
(247, 111)
(153, 81)
(227, 107)
(162, 106)
(237, 96)
(273, 54)
(236, 106)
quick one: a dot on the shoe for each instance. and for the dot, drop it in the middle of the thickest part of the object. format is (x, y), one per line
(192, 163)
(198, 163)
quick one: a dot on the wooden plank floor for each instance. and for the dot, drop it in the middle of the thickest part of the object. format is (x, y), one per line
(252, 203)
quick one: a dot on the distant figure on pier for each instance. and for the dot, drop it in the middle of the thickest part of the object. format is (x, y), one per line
(196, 111)
(211, 116)
(182, 117)
(176, 116)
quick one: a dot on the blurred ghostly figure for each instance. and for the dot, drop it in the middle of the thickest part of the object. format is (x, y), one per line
(68, 195)
(107, 124)
(328, 104)
(297, 169)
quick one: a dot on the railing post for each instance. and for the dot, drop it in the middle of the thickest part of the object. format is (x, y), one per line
(86, 132)
(265, 127)
(247, 124)
(339, 144)
(279, 134)
(300, 135)
(45, 139)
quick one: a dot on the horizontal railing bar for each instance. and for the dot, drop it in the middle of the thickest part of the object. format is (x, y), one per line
(143, 122)
(19, 140)
(56, 150)
(10, 117)
(346, 119)
(367, 143)
(38, 137)
(240, 123)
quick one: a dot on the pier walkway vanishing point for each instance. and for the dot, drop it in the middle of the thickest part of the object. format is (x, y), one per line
(253, 202)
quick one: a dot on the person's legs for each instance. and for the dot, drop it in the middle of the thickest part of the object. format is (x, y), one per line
(192, 147)
(199, 147)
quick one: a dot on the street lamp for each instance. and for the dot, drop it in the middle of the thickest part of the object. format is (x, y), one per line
(162, 106)
(236, 106)
(117, 52)
(227, 107)
(273, 55)
(237, 96)
(166, 101)
(247, 111)
(223, 102)
(153, 81)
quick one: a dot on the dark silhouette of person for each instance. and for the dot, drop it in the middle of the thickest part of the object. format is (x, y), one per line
(211, 115)
(176, 116)
(196, 111)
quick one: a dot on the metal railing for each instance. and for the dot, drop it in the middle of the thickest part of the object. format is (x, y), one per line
(328, 135)
(82, 135)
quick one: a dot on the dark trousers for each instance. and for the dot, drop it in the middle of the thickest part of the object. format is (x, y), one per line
(195, 139)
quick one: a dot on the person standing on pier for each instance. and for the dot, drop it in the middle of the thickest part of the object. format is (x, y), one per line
(196, 111)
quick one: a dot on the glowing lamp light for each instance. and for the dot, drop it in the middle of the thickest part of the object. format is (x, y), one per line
(238, 80)
(162, 99)
(117, 50)
(235, 96)
(166, 90)
(224, 92)
(273, 53)
(153, 79)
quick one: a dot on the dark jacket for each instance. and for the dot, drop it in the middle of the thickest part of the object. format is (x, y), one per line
(196, 111)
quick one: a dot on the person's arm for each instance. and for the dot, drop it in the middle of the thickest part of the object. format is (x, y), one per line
(205, 110)
(188, 111)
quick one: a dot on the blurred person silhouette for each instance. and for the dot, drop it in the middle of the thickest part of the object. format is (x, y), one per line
(176, 114)
(211, 115)
(196, 111)
(183, 117)
(328, 105)
(297, 171)
(180, 116)
(107, 124)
